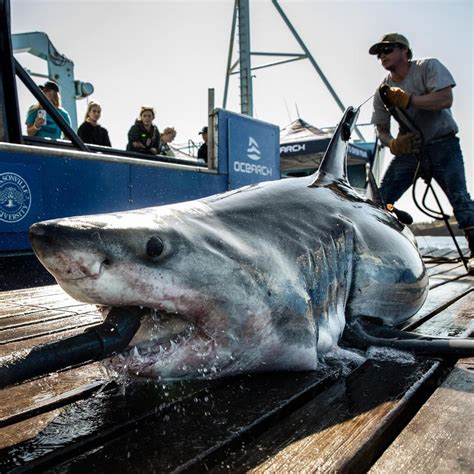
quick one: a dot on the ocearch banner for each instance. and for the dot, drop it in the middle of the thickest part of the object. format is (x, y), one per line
(254, 151)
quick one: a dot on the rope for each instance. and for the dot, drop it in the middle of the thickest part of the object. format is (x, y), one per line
(365, 101)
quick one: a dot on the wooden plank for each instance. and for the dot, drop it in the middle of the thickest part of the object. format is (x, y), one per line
(431, 265)
(50, 301)
(32, 318)
(444, 278)
(25, 320)
(30, 398)
(440, 437)
(455, 269)
(14, 295)
(434, 252)
(54, 325)
(173, 423)
(25, 344)
(43, 316)
(343, 428)
(456, 320)
(9, 310)
(444, 254)
(24, 430)
(440, 298)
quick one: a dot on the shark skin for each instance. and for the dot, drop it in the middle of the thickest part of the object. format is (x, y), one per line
(263, 278)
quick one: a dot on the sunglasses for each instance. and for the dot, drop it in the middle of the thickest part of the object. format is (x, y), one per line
(386, 50)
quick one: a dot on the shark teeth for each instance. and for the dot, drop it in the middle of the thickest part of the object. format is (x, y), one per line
(165, 346)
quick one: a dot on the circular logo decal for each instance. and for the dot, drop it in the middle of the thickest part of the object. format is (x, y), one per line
(15, 198)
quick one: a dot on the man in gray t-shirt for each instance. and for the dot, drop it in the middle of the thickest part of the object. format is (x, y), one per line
(422, 88)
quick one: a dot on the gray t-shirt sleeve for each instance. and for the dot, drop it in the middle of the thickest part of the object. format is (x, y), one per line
(437, 76)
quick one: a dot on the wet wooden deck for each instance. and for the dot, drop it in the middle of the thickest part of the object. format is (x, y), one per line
(386, 415)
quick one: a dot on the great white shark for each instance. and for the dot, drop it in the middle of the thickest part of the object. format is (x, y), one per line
(266, 277)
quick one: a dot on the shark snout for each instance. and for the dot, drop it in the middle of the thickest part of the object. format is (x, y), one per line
(67, 258)
(40, 236)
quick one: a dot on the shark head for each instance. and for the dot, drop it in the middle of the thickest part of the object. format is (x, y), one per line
(221, 300)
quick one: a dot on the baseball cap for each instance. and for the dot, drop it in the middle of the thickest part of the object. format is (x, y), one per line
(49, 85)
(389, 38)
(204, 130)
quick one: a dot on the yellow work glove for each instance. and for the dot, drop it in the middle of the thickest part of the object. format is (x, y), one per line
(404, 144)
(398, 97)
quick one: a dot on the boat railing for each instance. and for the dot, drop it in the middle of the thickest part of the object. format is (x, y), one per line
(66, 144)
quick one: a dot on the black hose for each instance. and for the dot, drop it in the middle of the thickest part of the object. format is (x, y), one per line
(358, 335)
(113, 335)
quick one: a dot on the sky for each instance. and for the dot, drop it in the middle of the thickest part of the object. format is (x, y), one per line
(169, 53)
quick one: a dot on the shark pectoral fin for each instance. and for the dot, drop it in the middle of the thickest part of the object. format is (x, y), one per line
(364, 334)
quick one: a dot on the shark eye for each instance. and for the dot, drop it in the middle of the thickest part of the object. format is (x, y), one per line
(154, 247)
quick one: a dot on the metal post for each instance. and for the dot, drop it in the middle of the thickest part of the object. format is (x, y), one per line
(229, 56)
(246, 101)
(10, 123)
(211, 139)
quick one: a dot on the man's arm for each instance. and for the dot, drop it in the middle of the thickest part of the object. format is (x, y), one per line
(442, 99)
(383, 132)
(32, 129)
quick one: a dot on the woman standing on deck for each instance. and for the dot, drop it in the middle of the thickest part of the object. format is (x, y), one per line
(144, 136)
(90, 131)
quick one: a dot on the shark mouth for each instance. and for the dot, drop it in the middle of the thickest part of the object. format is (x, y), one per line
(169, 346)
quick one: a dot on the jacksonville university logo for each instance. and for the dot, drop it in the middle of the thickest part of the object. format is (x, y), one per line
(15, 198)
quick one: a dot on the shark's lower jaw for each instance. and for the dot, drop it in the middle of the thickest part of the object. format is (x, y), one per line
(170, 347)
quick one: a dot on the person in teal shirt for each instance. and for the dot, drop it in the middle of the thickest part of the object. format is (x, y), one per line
(38, 122)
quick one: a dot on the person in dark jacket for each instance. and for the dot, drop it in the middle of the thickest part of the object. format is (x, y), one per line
(90, 131)
(144, 135)
(202, 152)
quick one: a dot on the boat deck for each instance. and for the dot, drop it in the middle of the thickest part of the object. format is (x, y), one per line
(392, 413)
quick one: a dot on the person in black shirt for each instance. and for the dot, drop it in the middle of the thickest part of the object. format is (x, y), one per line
(90, 131)
(202, 152)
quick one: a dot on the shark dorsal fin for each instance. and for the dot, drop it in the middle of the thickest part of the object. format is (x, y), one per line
(333, 167)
